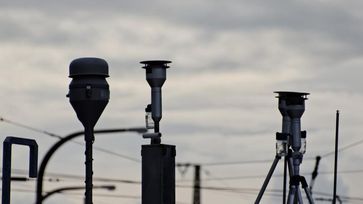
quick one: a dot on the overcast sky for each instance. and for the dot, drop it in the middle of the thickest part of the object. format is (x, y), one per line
(218, 102)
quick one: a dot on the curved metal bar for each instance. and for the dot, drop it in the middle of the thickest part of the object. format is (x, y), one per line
(72, 188)
(56, 146)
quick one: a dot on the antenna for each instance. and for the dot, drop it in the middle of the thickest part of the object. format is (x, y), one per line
(336, 156)
(88, 94)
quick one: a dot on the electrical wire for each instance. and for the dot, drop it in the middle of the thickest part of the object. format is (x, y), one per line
(100, 149)
(30, 128)
(359, 142)
(212, 188)
(275, 175)
(2, 119)
(262, 161)
(272, 192)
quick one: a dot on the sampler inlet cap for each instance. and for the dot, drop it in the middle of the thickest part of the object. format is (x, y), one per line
(155, 63)
(289, 94)
(88, 66)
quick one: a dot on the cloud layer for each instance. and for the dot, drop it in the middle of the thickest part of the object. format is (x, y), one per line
(228, 58)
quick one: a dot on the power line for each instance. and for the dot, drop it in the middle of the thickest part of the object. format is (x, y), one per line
(359, 142)
(100, 149)
(136, 197)
(213, 188)
(272, 192)
(80, 177)
(275, 175)
(30, 128)
(254, 190)
(262, 161)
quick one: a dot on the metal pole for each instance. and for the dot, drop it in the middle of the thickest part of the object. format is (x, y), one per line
(336, 156)
(6, 173)
(197, 185)
(56, 146)
(285, 180)
(89, 139)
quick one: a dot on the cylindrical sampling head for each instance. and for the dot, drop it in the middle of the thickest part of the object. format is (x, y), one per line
(295, 104)
(88, 91)
(156, 76)
(286, 121)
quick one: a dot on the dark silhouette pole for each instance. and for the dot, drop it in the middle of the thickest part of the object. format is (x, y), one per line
(57, 145)
(73, 188)
(336, 156)
(33, 163)
(197, 181)
(197, 185)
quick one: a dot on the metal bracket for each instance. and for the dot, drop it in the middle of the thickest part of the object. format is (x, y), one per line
(33, 163)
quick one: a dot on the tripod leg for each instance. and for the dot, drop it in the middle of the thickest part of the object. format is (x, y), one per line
(291, 167)
(267, 180)
(292, 193)
(294, 190)
(299, 197)
(285, 178)
(307, 190)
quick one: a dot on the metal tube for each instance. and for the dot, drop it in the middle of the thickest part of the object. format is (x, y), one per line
(308, 195)
(336, 156)
(267, 180)
(286, 124)
(292, 193)
(156, 103)
(295, 134)
(89, 139)
(299, 196)
(33, 163)
(285, 180)
(6, 173)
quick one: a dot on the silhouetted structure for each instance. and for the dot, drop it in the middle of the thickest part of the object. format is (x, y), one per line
(88, 94)
(33, 163)
(158, 160)
(61, 142)
(291, 144)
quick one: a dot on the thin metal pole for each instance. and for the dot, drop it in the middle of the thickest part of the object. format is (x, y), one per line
(336, 156)
(6, 173)
(197, 184)
(89, 139)
(285, 180)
